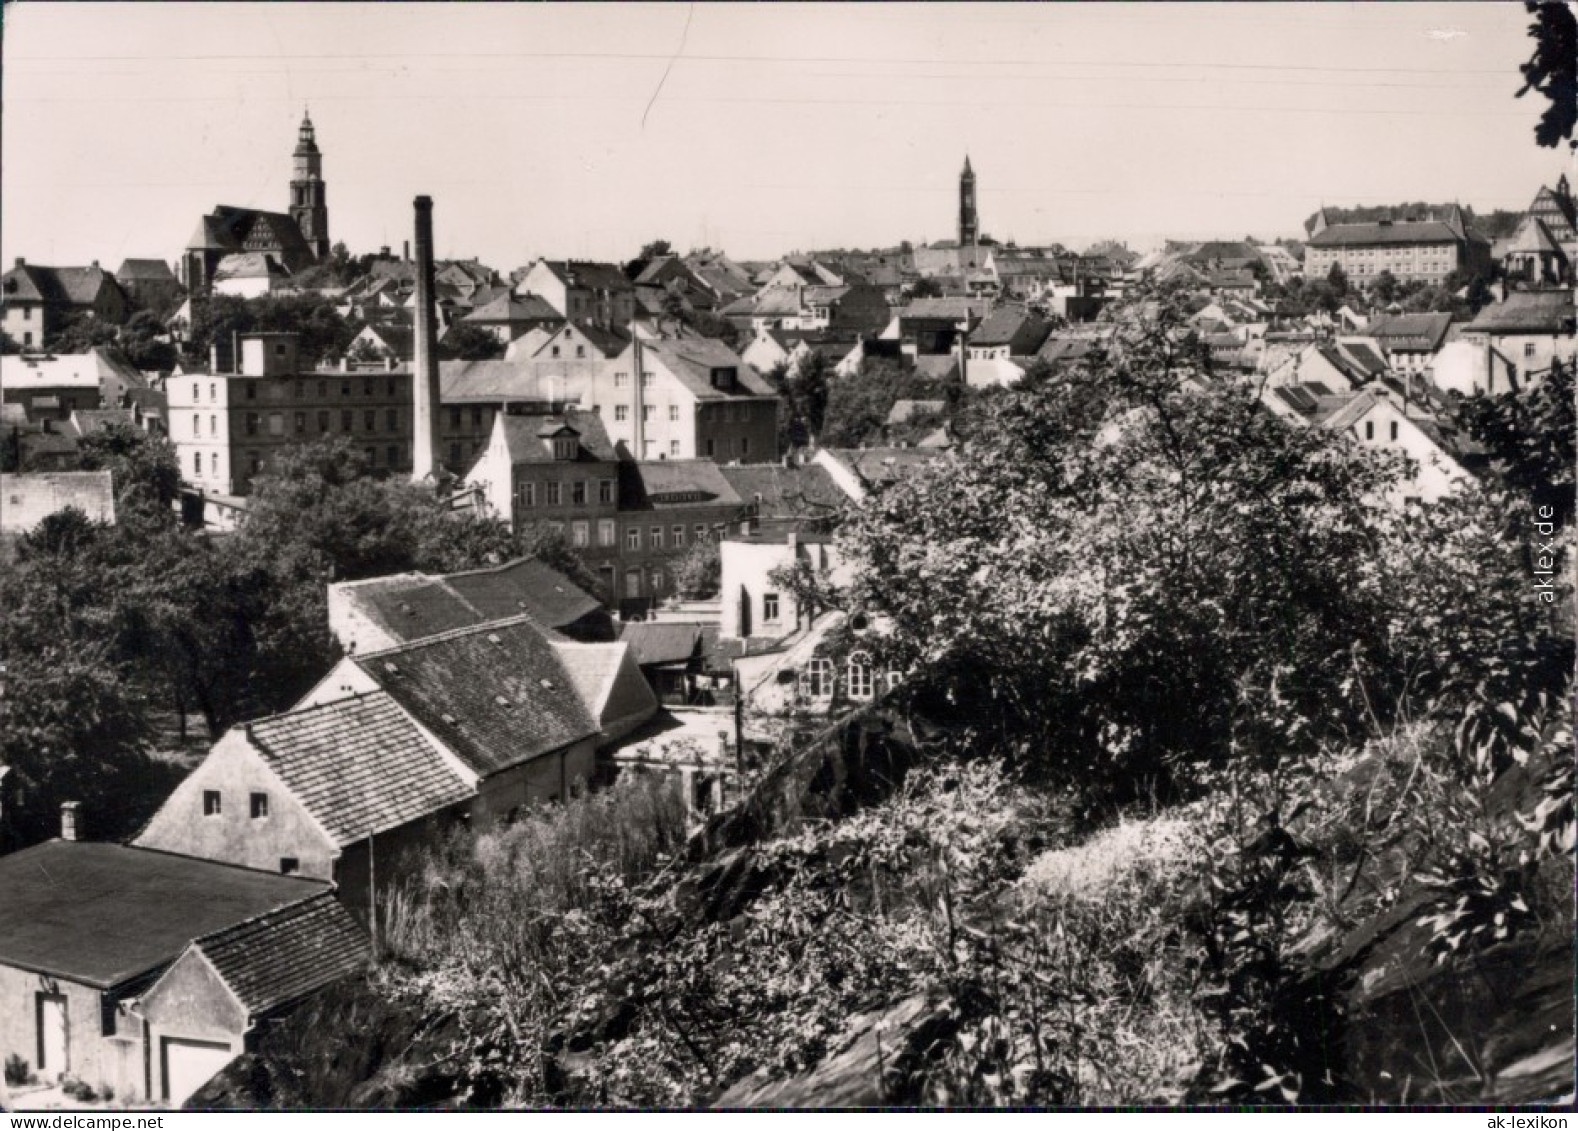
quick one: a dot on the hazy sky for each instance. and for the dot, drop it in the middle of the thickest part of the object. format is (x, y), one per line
(585, 131)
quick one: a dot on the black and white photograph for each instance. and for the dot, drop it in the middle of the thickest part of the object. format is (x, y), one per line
(675, 556)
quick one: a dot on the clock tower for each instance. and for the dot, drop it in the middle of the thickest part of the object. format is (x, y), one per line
(969, 223)
(309, 205)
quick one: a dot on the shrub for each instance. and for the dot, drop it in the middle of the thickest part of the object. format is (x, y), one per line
(18, 1073)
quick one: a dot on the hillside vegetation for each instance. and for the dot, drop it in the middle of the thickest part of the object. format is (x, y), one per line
(1213, 779)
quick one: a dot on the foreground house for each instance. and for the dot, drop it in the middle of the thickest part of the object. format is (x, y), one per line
(1535, 329)
(91, 933)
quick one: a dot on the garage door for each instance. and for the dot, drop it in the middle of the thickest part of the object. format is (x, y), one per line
(188, 1065)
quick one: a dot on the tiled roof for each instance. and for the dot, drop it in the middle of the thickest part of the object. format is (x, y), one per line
(145, 271)
(496, 695)
(358, 765)
(410, 606)
(594, 668)
(102, 913)
(69, 286)
(777, 302)
(950, 309)
(523, 435)
(1011, 327)
(596, 276)
(785, 492)
(1350, 413)
(491, 380)
(656, 642)
(655, 484)
(1533, 235)
(523, 586)
(282, 956)
(693, 360)
(1410, 331)
(1539, 312)
(510, 308)
(937, 367)
(1365, 235)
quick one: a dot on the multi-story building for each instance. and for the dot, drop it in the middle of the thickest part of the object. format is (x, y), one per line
(695, 399)
(1425, 251)
(597, 293)
(38, 300)
(226, 427)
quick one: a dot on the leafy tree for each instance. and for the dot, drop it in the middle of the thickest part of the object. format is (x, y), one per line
(548, 544)
(1337, 278)
(143, 465)
(470, 343)
(858, 406)
(1529, 435)
(1384, 287)
(323, 333)
(925, 288)
(699, 571)
(81, 333)
(656, 249)
(1552, 70)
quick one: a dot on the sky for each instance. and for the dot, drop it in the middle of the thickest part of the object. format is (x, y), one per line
(585, 131)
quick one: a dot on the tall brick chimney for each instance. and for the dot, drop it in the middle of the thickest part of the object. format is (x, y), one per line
(424, 379)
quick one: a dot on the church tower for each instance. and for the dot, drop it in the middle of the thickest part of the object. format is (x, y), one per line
(309, 205)
(969, 223)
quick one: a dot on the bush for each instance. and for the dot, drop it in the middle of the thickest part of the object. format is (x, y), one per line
(18, 1072)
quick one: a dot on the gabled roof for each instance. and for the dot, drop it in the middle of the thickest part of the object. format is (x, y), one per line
(692, 360)
(1533, 236)
(525, 438)
(358, 765)
(785, 492)
(495, 379)
(103, 914)
(659, 642)
(496, 695)
(655, 484)
(145, 271)
(512, 308)
(1536, 312)
(588, 274)
(1352, 411)
(527, 586)
(594, 669)
(1410, 331)
(64, 286)
(409, 606)
(777, 302)
(79, 370)
(1019, 329)
(944, 309)
(281, 956)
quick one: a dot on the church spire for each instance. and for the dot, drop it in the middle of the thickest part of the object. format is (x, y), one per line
(309, 204)
(969, 221)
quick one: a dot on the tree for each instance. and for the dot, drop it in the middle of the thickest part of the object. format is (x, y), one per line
(1529, 435)
(1552, 70)
(470, 343)
(656, 249)
(81, 333)
(699, 571)
(143, 466)
(925, 288)
(858, 406)
(1337, 278)
(1384, 287)
(546, 542)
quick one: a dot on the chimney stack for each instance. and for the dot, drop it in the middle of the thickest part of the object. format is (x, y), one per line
(20, 262)
(70, 812)
(406, 253)
(424, 380)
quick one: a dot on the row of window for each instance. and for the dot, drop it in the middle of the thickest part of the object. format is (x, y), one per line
(860, 678)
(254, 422)
(370, 387)
(394, 454)
(214, 804)
(553, 493)
(656, 537)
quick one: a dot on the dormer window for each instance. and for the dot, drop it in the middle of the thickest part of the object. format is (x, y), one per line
(725, 377)
(564, 447)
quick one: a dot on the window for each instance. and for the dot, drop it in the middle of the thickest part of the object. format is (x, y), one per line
(580, 351)
(633, 581)
(367, 387)
(197, 463)
(252, 390)
(711, 448)
(745, 445)
(301, 422)
(27, 337)
(289, 865)
(213, 463)
(454, 453)
(679, 536)
(257, 463)
(1528, 349)
(553, 351)
(565, 447)
(621, 380)
(370, 420)
(580, 534)
(252, 424)
(605, 490)
(858, 676)
(392, 419)
(657, 537)
(555, 494)
(323, 420)
(646, 379)
(657, 581)
(633, 538)
(578, 493)
(1369, 429)
(393, 453)
(646, 412)
(372, 456)
(259, 806)
(454, 418)
(1394, 430)
(476, 418)
(605, 532)
(197, 425)
(345, 388)
(816, 681)
(701, 531)
(323, 389)
(673, 412)
(673, 448)
(770, 609)
(345, 420)
(526, 494)
(621, 412)
(211, 803)
(276, 424)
